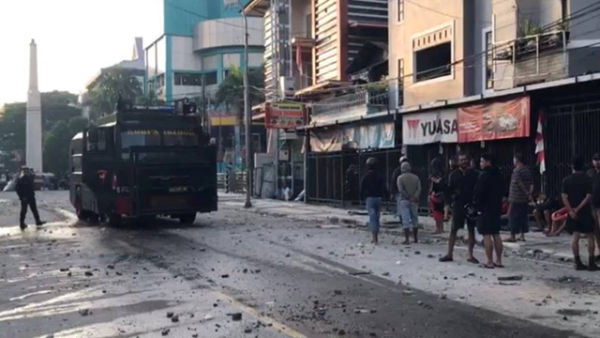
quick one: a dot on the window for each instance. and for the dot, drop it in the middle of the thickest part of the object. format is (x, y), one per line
(400, 94)
(489, 61)
(180, 138)
(139, 137)
(400, 10)
(433, 62)
(210, 78)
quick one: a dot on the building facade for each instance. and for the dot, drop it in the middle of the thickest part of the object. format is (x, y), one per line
(474, 76)
(201, 41)
(315, 51)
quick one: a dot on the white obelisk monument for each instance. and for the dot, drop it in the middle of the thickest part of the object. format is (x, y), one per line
(34, 115)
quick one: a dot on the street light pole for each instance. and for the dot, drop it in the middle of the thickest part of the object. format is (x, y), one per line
(248, 118)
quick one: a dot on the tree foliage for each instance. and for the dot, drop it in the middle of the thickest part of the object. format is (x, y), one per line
(112, 84)
(57, 108)
(56, 145)
(231, 90)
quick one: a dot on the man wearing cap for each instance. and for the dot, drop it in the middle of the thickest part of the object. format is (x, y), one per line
(409, 192)
(594, 173)
(393, 184)
(26, 193)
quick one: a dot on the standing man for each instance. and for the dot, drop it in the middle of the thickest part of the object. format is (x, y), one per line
(373, 189)
(487, 199)
(409, 191)
(452, 165)
(461, 183)
(577, 198)
(26, 193)
(594, 173)
(519, 195)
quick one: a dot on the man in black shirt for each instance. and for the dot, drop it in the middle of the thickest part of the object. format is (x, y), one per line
(594, 173)
(373, 189)
(461, 183)
(25, 191)
(577, 198)
(487, 199)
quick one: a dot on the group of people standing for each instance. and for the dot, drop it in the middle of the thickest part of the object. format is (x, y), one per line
(475, 197)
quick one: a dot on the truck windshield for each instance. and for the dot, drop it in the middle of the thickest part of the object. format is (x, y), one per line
(139, 137)
(180, 138)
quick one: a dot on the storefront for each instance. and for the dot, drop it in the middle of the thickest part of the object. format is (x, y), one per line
(338, 153)
(501, 126)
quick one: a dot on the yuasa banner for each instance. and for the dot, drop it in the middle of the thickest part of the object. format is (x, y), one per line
(431, 127)
(494, 121)
(284, 115)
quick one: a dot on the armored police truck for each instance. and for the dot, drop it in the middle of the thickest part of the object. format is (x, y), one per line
(143, 161)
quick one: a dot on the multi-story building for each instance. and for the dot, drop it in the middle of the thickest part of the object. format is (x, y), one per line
(475, 75)
(315, 51)
(202, 39)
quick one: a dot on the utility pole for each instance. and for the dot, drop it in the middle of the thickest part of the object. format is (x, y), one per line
(248, 118)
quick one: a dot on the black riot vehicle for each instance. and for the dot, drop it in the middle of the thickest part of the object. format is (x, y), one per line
(143, 161)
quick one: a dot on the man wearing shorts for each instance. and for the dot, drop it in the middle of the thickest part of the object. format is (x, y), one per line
(461, 183)
(577, 198)
(487, 199)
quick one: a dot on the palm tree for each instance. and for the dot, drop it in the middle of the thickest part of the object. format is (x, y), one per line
(113, 83)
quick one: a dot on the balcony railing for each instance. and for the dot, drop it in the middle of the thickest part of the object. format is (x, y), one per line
(372, 101)
(535, 58)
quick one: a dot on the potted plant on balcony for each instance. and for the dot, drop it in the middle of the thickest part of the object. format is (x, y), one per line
(527, 43)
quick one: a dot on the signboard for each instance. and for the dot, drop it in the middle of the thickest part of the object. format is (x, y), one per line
(431, 127)
(494, 121)
(284, 115)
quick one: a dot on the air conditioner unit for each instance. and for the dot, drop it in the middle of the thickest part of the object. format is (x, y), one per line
(286, 86)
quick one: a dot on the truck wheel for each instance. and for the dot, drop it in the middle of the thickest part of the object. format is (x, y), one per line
(82, 215)
(112, 219)
(187, 218)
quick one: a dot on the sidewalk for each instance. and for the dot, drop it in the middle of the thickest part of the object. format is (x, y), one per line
(537, 245)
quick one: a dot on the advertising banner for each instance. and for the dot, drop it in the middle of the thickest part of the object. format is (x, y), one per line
(370, 136)
(494, 121)
(284, 115)
(431, 127)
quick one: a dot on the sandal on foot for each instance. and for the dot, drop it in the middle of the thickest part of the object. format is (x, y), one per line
(446, 259)
(487, 266)
(473, 260)
(500, 266)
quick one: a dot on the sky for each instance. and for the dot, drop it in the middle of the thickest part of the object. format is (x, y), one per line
(75, 39)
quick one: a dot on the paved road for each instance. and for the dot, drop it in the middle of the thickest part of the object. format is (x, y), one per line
(75, 279)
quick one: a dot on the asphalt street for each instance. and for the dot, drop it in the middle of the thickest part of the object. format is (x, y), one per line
(236, 273)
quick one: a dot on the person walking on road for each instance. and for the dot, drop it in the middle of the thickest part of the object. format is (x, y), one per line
(461, 183)
(577, 198)
(519, 195)
(487, 200)
(594, 173)
(373, 189)
(25, 190)
(409, 192)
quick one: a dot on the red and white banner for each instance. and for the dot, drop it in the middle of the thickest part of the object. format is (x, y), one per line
(539, 143)
(494, 121)
(284, 115)
(431, 127)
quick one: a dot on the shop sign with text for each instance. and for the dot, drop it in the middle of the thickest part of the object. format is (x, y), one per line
(284, 115)
(431, 127)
